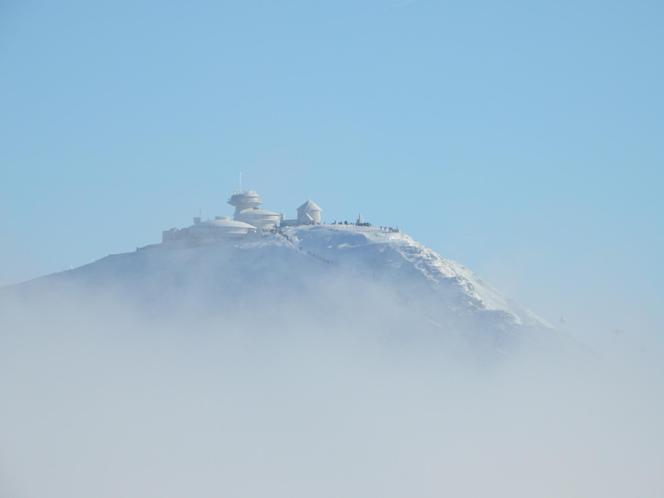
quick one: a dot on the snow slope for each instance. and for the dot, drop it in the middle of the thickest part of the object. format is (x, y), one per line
(385, 251)
(314, 270)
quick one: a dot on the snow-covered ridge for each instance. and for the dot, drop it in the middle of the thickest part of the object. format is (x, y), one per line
(281, 265)
(381, 250)
(326, 240)
(374, 252)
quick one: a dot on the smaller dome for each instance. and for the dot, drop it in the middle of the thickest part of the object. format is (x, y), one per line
(309, 213)
(309, 206)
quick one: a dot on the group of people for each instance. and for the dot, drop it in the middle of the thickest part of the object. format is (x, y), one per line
(360, 223)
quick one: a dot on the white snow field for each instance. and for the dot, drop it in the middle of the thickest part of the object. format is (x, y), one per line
(381, 275)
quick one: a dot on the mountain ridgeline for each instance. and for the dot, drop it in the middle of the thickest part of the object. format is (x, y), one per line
(331, 277)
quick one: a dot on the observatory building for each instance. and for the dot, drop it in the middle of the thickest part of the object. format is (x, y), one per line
(249, 218)
(247, 210)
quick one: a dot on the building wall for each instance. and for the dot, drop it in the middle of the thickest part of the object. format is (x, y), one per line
(303, 219)
(259, 220)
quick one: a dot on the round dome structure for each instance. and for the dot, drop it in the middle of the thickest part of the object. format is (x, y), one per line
(309, 213)
(221, 226)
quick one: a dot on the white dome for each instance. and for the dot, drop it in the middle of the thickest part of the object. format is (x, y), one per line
(309, 206)
(220, 227)
(309, 213)
(226, 222)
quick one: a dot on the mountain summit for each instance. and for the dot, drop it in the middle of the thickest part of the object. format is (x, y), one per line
(259, 266)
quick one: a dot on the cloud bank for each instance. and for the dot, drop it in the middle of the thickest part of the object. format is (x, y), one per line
(102, 400)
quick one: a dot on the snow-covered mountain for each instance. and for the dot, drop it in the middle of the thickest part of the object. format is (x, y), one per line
(330, 273)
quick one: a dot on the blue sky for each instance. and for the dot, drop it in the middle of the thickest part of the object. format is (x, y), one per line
(524, 139)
